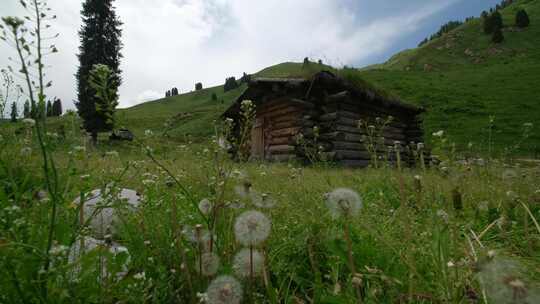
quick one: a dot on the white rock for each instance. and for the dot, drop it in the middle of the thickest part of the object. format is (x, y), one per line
(102, 211)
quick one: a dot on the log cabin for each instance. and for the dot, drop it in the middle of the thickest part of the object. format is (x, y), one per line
(329, 118)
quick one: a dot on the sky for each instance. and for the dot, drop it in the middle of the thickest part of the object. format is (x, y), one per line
(176, 43)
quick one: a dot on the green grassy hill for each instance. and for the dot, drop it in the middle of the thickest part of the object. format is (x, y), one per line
(461, 79)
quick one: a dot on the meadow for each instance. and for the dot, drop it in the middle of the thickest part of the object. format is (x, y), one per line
(463, 231)
(171, 217)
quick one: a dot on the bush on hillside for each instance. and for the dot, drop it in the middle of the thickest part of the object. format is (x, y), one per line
(198, 86)
(214, 97)
(493, 22)
(230, 84)
(522, 19)
(498, 36)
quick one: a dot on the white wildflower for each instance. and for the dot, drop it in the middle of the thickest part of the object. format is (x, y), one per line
(439, 133)
(111, 153)
(148, 133)
(140, 276)
(343, 202)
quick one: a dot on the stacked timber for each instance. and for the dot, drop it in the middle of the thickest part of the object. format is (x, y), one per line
(284, 120)
(349, 142)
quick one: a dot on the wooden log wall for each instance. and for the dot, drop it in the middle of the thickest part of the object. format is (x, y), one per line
(342, 136)
(283, 121)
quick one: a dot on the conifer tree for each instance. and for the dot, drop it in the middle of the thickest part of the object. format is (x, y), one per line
(14, 112)
(522, 19)
(26, 111)
(100, 44)
(57, 107)
(49, 109)
(498, 36)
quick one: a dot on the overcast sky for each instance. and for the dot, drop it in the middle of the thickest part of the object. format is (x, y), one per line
(180, 42)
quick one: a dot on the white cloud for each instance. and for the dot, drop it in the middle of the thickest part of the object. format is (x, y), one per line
(180, 42)
(148, 95)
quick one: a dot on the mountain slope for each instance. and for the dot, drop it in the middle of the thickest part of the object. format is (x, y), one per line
(461, 78)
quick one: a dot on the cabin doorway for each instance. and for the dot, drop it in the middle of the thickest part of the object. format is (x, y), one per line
(258, 138)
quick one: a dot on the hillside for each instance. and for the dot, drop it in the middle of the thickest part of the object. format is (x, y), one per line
(461, 79)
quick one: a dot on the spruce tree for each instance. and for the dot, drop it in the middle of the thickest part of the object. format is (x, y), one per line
(100, 44)
(497, 20)
(26, 111)
(14, 112)
(522, 19)
(498, 36)
(49, 109)
(57, 107)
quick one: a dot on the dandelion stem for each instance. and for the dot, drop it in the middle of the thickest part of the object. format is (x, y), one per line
(351, 258)
(531, 215)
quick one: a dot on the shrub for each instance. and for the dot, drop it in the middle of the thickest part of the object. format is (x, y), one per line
(493, 22)
(497, 36)
(198, 86)
(230, 84)
(214, 97)
(522, 19)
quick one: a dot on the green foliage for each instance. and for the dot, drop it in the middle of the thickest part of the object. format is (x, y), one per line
(493, 22)
(100, 44)
(214, 97)
(522, 19)
(26, 111)
(104, 82)
(497, 36)
(445, 28)
(49, 109)
(57, 107)
(230, 84)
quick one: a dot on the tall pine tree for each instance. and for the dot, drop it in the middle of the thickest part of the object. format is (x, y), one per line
(49, 109)
(14, 112)
(26, 112)
(57, 107)
(100, 44)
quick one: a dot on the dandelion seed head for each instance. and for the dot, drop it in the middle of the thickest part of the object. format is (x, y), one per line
(224, 290)
(343, 202)
(263, 200)
(509, 174)
(205, 206)
(242, 264)
(443, 215)
(243, 190)
(251, 228)
(26, 151)
(29, 122)
(209, 263)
